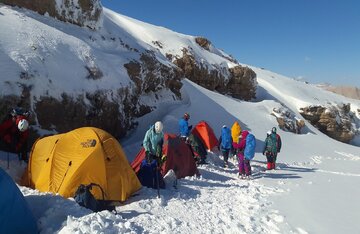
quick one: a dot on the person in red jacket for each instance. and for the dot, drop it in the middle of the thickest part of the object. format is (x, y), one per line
(14, 133)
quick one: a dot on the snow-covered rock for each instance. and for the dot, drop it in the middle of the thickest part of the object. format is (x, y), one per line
(335, 120)
(287, 120)
(86, 13)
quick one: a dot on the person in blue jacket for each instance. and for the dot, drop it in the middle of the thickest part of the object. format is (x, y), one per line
(184, 127)
(225, 142)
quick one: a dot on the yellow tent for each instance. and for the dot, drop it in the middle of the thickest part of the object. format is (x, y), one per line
(60, 163)
(235, 131)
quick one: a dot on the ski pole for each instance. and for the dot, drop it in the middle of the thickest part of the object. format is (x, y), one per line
(157, 180)
(8, 160)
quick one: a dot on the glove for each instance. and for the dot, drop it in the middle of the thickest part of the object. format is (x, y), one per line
(190, 127)
(163, 158)
(148, 156)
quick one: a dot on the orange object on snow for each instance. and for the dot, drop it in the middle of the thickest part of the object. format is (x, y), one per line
(206, 134)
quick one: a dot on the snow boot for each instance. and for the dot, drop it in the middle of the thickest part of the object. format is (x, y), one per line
(269, 166)
(273, 166)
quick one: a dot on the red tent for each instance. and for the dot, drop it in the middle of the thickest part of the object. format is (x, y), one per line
(206, 134)
(179, 157)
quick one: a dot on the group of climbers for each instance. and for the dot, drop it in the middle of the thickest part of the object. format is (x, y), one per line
(243, 143)
(232, 142)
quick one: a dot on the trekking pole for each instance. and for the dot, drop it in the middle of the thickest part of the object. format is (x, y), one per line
(8, 160)
(157, 180)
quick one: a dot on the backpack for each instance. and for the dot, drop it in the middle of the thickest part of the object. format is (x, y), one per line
(226, 140)
(85, 198)
(150, 176)
(271, 144)
(249, 151)
(18, 111)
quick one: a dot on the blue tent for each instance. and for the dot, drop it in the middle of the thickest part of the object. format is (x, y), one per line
(15, 215)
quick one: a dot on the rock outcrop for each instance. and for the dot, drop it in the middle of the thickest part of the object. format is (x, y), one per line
(287, 120)
(83, 12)
(203, 42)
(336, 121)
(239, 82)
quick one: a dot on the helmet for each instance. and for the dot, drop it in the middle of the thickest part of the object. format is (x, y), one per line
(186, 116)
(158, 127)
(23, 125)
(224, 126)
(268, 133)
(273, 130)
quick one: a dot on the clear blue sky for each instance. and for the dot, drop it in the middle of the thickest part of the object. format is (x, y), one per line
(318, 40)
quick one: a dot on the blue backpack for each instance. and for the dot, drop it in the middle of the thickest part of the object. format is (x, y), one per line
(150, 176)
(226, 139)
(249, 151)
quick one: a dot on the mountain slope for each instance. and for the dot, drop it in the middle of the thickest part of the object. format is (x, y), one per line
(312, 190)
(106, 77)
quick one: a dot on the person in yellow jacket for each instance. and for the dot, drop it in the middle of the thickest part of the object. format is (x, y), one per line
(235, 134)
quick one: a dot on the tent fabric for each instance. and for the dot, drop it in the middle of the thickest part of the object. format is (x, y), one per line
(15, 215)
(206, 134)
(235, 132)
(60, 163)
(198, 146)
(178, 157)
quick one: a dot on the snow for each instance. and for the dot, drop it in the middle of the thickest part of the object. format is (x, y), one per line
(313, 189)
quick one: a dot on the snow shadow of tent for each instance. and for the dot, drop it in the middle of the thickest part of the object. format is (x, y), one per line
(179, 157)
(15, 214)
(203, 131)
(53, 211)
(61, 163)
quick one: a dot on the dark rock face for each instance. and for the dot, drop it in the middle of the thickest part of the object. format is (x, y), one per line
(240, 84)
(334, 121)
(82, 13)
(287, 120)
(203, 42)
(149, 75)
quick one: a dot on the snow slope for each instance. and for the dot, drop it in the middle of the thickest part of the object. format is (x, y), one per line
(313, 190)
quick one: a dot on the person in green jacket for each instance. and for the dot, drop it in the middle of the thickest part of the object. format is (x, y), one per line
(153, 142)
